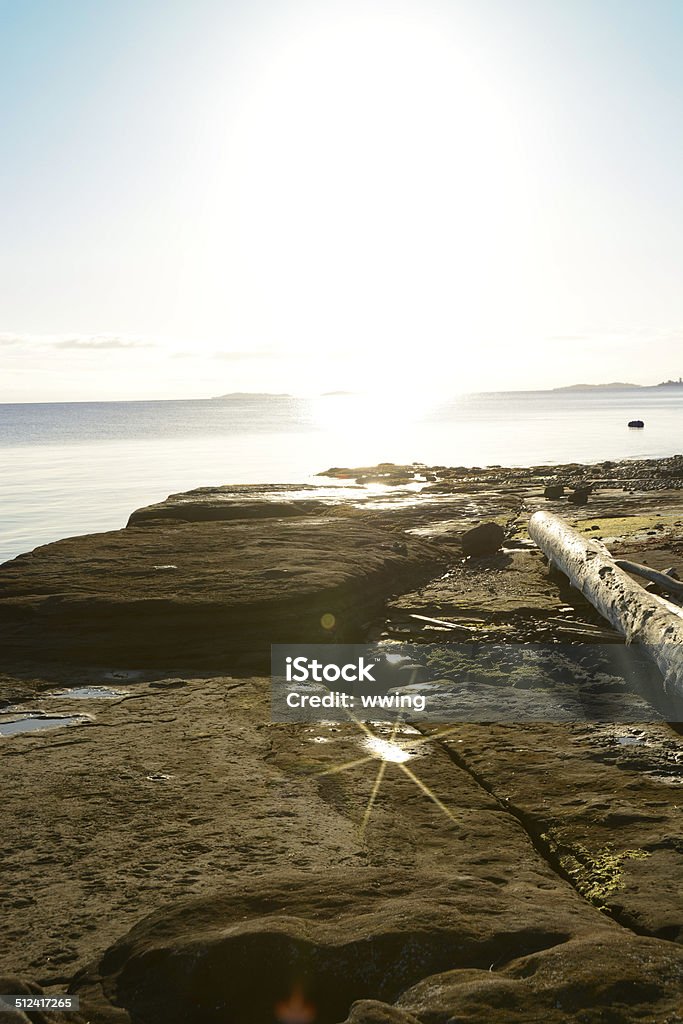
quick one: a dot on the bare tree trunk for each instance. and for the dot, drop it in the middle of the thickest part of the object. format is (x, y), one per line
(651, 621)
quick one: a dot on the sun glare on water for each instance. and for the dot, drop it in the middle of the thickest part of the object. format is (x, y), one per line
(359, 414)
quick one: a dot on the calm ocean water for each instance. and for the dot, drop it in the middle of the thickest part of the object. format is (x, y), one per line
(73, 468)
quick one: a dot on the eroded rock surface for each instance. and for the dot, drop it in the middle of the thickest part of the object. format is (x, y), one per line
(178, 857)
(204, 593)
(250, 844)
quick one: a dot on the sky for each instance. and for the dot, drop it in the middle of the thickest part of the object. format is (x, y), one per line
(422, 196)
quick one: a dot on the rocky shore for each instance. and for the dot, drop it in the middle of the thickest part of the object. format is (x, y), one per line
(172, 855)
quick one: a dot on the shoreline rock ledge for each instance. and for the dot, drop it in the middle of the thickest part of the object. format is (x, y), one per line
(208, 583)
(176, 857)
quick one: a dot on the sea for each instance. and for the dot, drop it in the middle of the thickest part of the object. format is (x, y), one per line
(75, 468)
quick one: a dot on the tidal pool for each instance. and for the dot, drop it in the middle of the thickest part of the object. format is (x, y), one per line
(29, 722)
(85, 692)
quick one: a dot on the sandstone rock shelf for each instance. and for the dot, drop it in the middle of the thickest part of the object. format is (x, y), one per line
(204, 593)
(177, 857)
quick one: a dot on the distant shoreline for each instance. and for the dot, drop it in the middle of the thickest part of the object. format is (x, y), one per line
(268, 396)
(617, 386)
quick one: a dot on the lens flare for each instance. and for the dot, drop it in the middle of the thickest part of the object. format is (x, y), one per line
(387, 751)
(295, 1010)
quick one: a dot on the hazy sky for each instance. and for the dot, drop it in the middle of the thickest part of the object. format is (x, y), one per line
(203, 196)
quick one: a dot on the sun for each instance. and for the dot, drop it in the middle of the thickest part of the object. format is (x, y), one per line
(369, 183)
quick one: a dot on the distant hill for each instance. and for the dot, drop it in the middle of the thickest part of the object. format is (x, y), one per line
(242, 395)
(614, 386)
(620, 386)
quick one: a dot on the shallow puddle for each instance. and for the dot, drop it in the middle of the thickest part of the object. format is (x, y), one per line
(36, 723)
(631, 740)
(86, 692)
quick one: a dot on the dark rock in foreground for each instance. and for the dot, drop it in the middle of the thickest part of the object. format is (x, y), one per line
(483, 539)
(381, 948)
(579, 496)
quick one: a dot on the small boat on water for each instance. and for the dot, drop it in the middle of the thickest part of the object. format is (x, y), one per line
(636, 423)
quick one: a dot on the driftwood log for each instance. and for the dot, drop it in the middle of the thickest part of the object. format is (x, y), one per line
(653, 622)
(662, 579)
